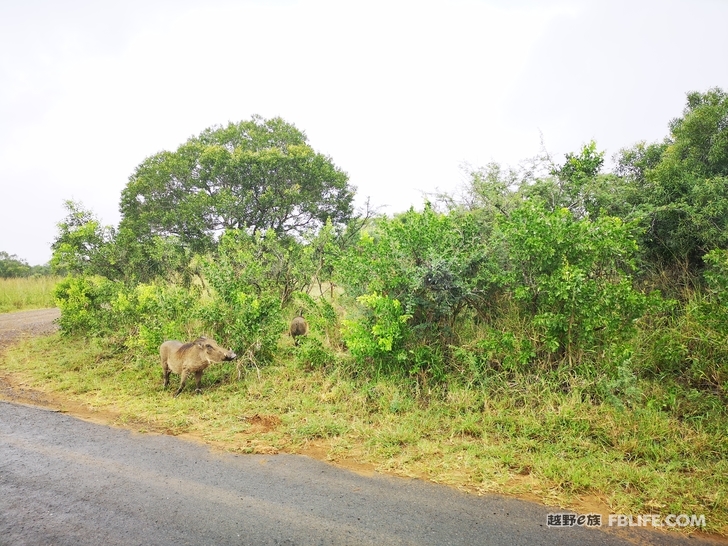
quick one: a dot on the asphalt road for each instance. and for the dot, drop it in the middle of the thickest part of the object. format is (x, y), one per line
(64, 481)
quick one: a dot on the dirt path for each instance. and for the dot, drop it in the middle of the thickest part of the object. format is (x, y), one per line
(35, 322)
(13, 327)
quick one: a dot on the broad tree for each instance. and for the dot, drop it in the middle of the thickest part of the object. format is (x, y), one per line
(254, 175)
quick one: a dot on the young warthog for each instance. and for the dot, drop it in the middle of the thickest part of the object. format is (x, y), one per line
(186, 358)
(299, 327)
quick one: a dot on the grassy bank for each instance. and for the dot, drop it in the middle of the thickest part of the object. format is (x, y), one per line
(543, 436)
(18, 294)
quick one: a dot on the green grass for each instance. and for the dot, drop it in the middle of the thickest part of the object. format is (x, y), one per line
(532, 435)
(23, 293)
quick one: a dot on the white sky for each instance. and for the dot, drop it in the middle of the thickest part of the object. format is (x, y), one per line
(399, 93)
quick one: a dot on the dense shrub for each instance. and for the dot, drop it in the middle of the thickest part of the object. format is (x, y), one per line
(139, 316)
(572, 276)
(85, 304)
(415, 275)
(379, 337)
(534, 270)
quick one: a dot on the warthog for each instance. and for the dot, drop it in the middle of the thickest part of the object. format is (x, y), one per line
(186, 358)
(299, 327)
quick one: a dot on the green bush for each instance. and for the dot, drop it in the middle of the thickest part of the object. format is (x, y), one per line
(85, 304)
(379, 338)
(689, 342)
(244, 310)
(139, 317)
(573, 277)
(430, 262)
(153, 313)
(246, 323)
(313, 354)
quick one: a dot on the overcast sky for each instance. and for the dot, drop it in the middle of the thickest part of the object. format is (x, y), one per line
(399, 94)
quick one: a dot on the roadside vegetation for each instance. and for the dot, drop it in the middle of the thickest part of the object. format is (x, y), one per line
(22, 293)
(23, 286)
(552, 329)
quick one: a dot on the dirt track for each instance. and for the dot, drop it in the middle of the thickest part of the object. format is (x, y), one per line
(27, 323)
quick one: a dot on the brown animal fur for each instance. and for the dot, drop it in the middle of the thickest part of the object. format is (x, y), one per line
(299, 327)
(186, 358)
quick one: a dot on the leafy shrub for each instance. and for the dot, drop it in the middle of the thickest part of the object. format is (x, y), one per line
(378, 339)
(704, 329)
(713, 308)
(689, 342)
(245, 316)
(85, 304)
(505, 350)
(414, 275)
(154, 313)
(572, 276)
(263, 263)
(620, 388)
(313, 354)
(429, 261)
(139, 317)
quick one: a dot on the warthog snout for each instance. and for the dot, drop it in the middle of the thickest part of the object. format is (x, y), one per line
(229, 355)
(194, 357)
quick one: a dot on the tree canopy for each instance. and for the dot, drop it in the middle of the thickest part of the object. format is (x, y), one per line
(680, 186)
(80, 241)
(254, 175)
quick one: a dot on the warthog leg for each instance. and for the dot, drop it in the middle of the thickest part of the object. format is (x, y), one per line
(182, 379)
(198, 378)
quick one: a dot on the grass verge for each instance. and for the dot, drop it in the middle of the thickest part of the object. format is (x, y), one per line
(544, 438)
(18, 294)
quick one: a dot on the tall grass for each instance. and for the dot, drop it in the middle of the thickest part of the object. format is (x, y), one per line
(22, 293)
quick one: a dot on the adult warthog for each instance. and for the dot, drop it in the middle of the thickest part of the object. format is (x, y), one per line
(186, 358)
(299, 327)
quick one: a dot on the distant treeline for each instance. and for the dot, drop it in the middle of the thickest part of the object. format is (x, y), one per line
(11, 266)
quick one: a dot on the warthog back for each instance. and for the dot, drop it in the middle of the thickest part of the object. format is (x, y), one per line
(299, 327)
(194, 357)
